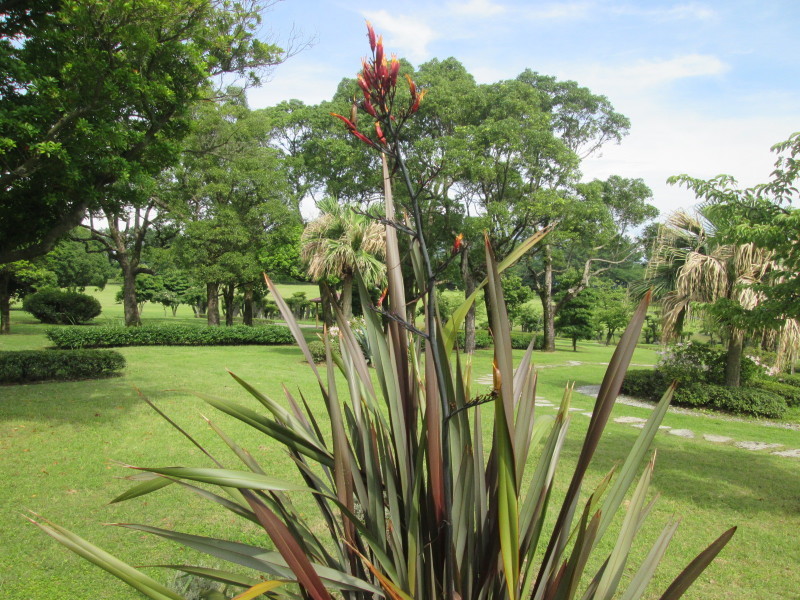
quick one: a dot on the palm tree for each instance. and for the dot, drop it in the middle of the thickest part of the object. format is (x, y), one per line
(691, 264)
(340, 242)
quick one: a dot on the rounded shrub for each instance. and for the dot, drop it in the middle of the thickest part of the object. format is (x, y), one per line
(644, 383)
(61, 308)
(789, 393)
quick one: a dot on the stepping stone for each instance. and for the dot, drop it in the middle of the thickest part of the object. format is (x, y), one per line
(756, 445)
(717, 439)
(638, 425)
(588, 414)
(573, 409)
(790, 453)
(664, 427)
(684, 433)
(629, 420)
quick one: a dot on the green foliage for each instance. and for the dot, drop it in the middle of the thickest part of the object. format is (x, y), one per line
(644, 383)
(168, 335)
(61, 308)
(789, 379)
(483, 339)
(98, 91)
(58, 365)
(790, 393)
(79, 263)
(576, 319)
(516, 294)
(755, 400)
(530, 316)
(693, 362)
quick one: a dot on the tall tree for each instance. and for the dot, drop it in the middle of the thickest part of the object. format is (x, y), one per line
(341, 242)
(97, 91)
(692, 264)
(231, 193)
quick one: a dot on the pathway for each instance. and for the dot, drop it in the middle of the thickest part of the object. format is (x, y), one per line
(638, 422)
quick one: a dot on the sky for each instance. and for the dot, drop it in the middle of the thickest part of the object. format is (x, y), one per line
(709, 87)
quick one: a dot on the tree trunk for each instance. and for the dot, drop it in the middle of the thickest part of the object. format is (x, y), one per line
(469, 288)
(5, 303)
(574, 344)
(247, 315)
(212, 304)
(227, 297)
(130, 307)
(347, 297)
(733, 360)
(610, 335)
(327, 313)
(546, 296)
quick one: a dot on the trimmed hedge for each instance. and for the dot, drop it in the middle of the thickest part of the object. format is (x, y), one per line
(61, 308)
(651, 385)
(788, 392)
(168, 335)
(43, 365)
(519, 340)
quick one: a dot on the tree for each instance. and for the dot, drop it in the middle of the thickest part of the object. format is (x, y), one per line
(78, 262)
(95, 91)
(763, 215)
(230, 193)
(340, 242)
(577, 318)
(692, 264)
(16, 280)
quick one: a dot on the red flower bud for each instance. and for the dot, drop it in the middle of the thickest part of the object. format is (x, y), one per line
(379, 131)
(371, 36)
(458, 243)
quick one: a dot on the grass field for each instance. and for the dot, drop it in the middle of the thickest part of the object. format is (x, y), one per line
(61, 445)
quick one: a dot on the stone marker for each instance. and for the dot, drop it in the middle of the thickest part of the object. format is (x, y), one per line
(684, 433)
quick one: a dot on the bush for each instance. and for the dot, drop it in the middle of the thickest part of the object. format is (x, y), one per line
(789, 393)
(482, 339)
(693, 362)
(644, 383)
(169, 335)
(42, 365)
(520, 341)
(743, 401)
(317, 349)
(789, 379)
(61, 308)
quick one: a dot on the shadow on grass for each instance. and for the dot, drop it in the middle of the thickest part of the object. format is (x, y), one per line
(712, 476)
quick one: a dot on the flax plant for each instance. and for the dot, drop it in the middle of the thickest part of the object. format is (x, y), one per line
(412, 500)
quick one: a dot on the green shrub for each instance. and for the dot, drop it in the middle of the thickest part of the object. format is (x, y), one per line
(61, 308)
(520, 341)
(168, 335)
(788, 392)
(743, 401)
(482, 339)
(317, 349)
(42, 365)
(694, 362)
(644, 383)
(789, 379)
(748, 401)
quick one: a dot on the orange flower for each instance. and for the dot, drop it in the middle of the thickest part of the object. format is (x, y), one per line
(458, 243)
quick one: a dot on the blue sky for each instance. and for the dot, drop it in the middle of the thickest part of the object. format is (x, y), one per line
(708, 86)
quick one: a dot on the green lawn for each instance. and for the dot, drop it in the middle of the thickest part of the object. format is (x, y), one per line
(61, 445)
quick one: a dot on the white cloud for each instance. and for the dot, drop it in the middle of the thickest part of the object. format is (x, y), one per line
(677, 12)
(625, 79)
(559, 11)
(406, 35)
(311, 82)
(476, 8)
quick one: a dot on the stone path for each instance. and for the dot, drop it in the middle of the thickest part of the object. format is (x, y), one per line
(638, 422)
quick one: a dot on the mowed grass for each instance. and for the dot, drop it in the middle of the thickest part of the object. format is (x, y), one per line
(62, 446)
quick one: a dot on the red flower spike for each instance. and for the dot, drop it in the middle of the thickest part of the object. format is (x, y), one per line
(379, 52)
(367, 106)
(379, 131)
(458, 243)
(362, 137)
(415, 105)
(350, 125)
(412, 87)
(383, 296)
(394, 69)
(371, 36)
